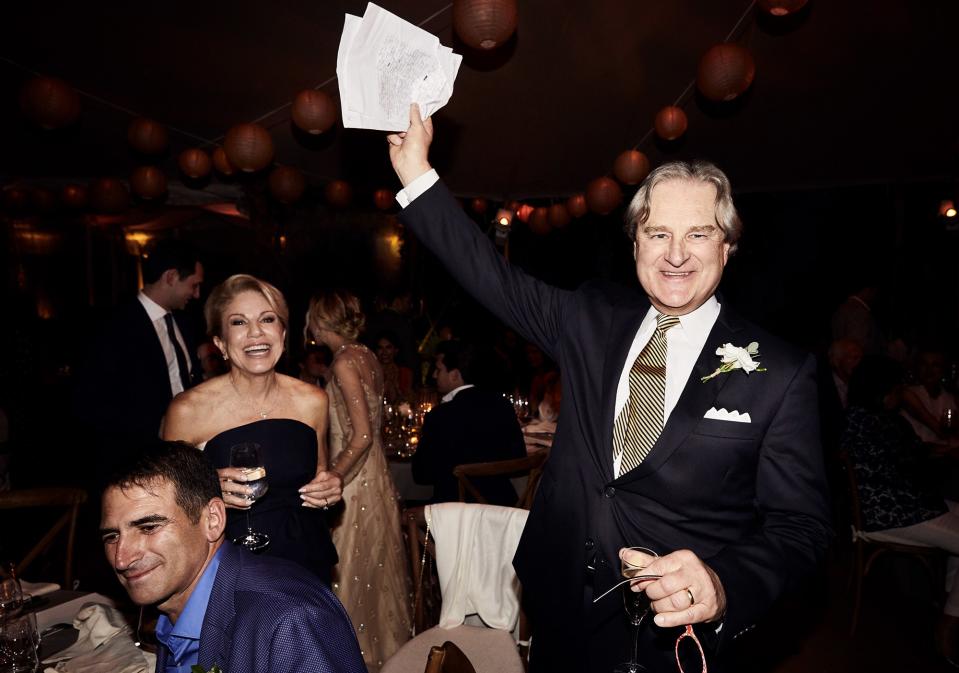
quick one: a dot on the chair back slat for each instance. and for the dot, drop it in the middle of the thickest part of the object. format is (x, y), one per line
(531, 465)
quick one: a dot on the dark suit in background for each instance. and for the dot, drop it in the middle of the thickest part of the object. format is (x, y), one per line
(476, 426)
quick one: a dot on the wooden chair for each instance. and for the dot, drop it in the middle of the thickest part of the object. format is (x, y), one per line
(866, 552)
(69, 499)
(531, 466)
(448, 658)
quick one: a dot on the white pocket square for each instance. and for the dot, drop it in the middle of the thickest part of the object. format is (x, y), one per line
(723, 415)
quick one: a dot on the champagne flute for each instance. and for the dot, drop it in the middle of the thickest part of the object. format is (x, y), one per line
(637, 606)
(247, 456)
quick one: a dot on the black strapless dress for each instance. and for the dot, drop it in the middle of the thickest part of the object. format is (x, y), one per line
(297, 533)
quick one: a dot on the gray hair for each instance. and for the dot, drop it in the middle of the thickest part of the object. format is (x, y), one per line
(702, 171)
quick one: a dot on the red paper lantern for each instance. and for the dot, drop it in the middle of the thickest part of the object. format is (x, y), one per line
(670, 122)
(725, 71)
(249, 147)
(384, 199)
(603, 195)
(558, 216)
(221, 163)
(15, 200)
(631, 168)
(523, 212)
(195, 163)
(287, 184)
(576, 204)
(782, 7)
(338, 193)
(539, 221)
(148, 182)
(43, 200)
(512, 206)
(147, 136)
(49, 102)
(479, 205)
(108, 195)
(74, 197)
(314, 111)
(484, 24)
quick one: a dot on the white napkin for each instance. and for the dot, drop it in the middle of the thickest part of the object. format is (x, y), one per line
(104, 645)
(38, 588)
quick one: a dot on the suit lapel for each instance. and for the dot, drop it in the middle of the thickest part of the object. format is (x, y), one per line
(696, 398)
(217, 631)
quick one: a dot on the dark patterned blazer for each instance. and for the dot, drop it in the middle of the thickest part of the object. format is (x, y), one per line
(750, 499)
(267, 615)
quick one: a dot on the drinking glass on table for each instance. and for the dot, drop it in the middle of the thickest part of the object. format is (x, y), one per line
(248, 457)
(11, 594)
(19, 640)
(637, 606)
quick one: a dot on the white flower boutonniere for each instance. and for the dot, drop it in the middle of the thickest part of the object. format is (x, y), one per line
(735, 357)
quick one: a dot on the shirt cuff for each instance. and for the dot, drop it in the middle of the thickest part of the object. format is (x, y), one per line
(413, 190)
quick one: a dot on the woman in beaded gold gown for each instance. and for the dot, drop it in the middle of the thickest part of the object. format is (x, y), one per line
(372, 578)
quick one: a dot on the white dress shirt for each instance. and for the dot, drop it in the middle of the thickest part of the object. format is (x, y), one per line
(156, 314)
(684, 343)
(454, 392)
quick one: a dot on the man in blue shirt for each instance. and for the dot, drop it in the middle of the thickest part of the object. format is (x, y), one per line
(162, 526)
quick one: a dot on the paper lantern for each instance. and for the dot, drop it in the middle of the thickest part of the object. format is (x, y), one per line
(249, 147)
(195, 163)
(50, 103)
(148, 182)
(338, 193)
(670, 122)
(484, 24)
(603, 195)
(287, 184)
(523, 212)
(479, 205)
(384, 199)
(782, 7)
(221, 163)
(725, 71)
(16, 200)
(558, 216)
(44, 200)
(147, 136)
(631, 168)
(108, 195)
(314, 111)
(576, 205)
(74, 197)
(539, 221)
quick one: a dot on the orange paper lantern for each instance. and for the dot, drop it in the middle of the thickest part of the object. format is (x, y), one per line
(384, 199)
(725, 71)
(314, 111)
(15, 200)
(287, 184)
(195, 163)
(50, 103)
(782, 7)
(338, 193)
(108, 195)
(148, 182)
(479, 205)
(222, 163)
(558, 216)
(249, 147)
(484, 24)
(524, 212)
(74, 197)
(43, 200)
(576, 205)
(670, 122)
(539, 221)
(603, 195)
(147, 136)
(631, 168)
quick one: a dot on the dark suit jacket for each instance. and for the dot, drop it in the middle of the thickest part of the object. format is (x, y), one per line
(476, 426)
(747, 498)
(123, 388)
(267, 615)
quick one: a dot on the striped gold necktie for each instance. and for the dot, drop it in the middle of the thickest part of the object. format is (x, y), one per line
(640, 422)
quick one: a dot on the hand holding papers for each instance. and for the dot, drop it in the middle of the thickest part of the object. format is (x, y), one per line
(385, 63)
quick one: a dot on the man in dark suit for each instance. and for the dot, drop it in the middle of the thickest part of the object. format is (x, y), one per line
(162, 526)
(472, 425)
(143, 357)
(661, 443)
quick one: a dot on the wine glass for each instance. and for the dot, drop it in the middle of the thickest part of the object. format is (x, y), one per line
(19, 640)
(636, 604)
(247, 457)
(947, 422)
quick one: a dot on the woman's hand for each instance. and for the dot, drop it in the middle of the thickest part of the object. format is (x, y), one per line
(326, 489)
(234, 489)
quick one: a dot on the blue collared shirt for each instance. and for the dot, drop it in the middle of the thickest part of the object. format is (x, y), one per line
(182, 640)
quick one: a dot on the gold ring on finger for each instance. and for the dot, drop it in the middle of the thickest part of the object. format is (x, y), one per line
(692, 601)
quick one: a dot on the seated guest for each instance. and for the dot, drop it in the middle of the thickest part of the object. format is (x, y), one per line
(162, 525)
(538, 433)
(472, 425)
(315, 366)
(898, 504)
(212, 362)
(397, 379)
(925, 405)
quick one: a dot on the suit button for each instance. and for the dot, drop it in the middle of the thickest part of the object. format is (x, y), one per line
(609, 492)
(590, 544)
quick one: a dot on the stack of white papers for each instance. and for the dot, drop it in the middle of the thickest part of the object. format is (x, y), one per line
(384, 64)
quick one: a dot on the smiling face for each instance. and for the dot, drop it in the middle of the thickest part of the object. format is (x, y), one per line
(680, 250)
(253, 334)
(157, 552)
